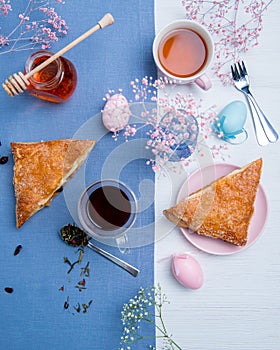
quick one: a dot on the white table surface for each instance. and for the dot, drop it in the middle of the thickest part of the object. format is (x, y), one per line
(238, 305)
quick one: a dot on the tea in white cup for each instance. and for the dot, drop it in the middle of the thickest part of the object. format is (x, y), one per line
(183, 50)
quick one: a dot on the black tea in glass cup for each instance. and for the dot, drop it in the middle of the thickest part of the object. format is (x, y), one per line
(106, 210)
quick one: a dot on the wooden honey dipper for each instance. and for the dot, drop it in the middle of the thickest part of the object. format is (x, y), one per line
(18, 82)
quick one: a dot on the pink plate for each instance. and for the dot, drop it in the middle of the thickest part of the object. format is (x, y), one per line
(203, 177)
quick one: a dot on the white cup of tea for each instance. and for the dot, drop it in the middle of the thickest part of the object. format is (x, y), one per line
(106, 210)
(183, 51)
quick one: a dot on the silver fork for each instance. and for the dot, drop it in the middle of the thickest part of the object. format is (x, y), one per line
(264, 131)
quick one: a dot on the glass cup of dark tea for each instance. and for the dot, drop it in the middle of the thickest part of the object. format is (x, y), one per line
(183, 50)
(106, 210)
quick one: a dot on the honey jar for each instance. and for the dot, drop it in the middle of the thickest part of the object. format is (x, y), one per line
(54, 83)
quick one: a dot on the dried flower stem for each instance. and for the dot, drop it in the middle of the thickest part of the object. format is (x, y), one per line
(141, 308)
(222, 19)
(31, 33)
(173, 121)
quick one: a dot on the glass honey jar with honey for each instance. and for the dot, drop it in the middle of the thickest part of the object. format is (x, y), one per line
(54, 83)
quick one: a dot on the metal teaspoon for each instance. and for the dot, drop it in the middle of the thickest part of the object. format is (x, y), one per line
(75, 237)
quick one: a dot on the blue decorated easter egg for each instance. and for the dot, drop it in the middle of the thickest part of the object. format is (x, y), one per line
(233, 117)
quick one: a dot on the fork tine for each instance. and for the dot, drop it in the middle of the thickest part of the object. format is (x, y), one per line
(242, 73)
(235, 73)
(232, 72)
(244, 68)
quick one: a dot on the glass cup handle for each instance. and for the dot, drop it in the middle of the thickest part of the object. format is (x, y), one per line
(123, 244)
(203, 82)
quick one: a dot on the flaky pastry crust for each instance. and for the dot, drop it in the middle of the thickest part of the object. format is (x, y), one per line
(222, 209)
(41, 169)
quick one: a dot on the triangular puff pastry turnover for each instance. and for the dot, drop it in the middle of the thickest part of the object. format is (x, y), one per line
(41, 169)
(222, 209)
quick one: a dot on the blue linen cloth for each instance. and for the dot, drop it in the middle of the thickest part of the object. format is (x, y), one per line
(34, 315)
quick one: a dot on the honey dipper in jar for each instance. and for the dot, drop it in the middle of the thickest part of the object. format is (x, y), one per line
(50, 77)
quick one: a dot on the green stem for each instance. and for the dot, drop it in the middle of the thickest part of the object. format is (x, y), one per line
(164, 332)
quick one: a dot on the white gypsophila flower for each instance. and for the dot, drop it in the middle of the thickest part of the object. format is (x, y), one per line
(146, 306)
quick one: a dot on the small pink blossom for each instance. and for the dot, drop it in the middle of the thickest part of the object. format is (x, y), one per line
(145, 81)
(168, 132)
(5, 7)
(3, 40)
(23, 18)
(235, 27)
(38, 26)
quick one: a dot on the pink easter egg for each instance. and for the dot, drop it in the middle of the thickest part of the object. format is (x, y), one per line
(116, 113)
(187, 271)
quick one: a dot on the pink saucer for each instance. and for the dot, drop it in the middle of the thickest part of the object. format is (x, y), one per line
(201, 178)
